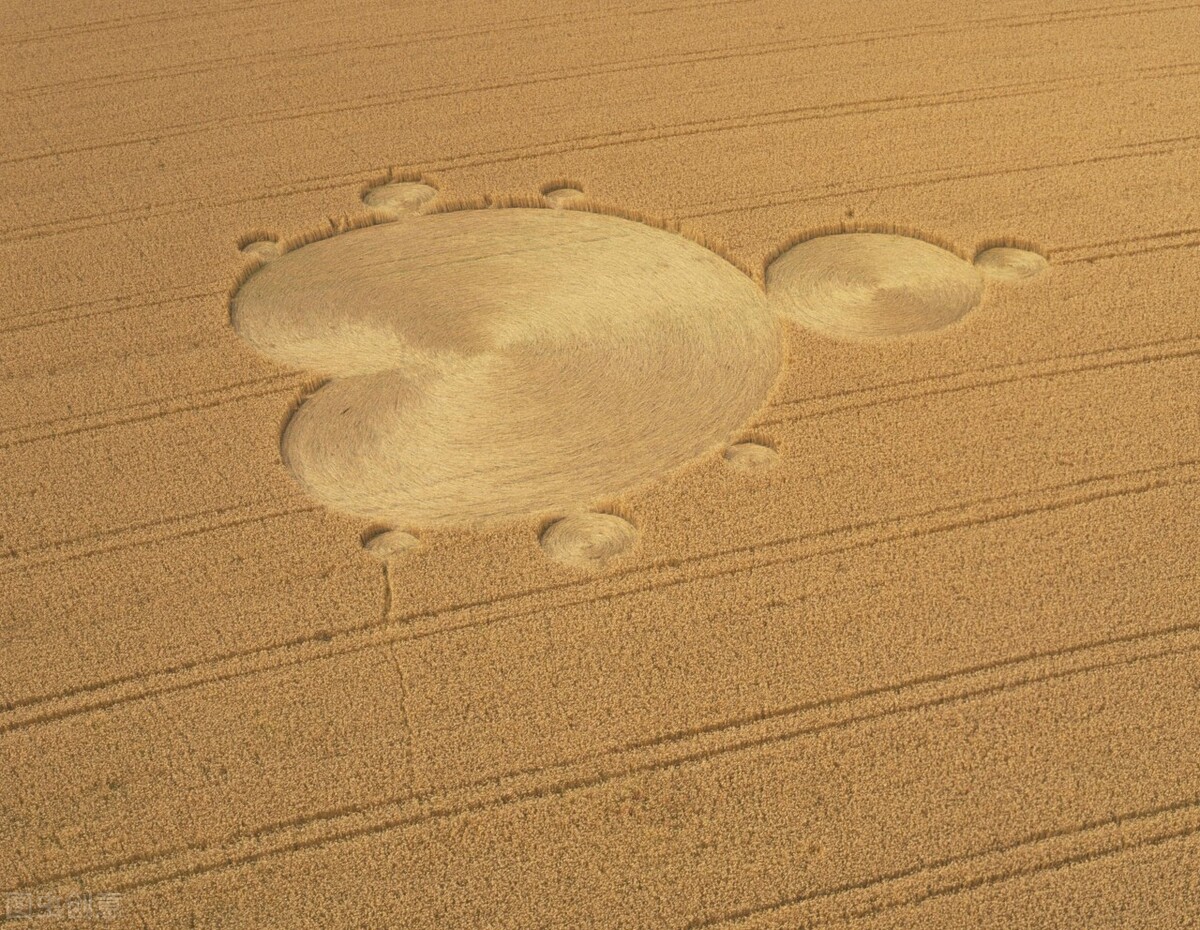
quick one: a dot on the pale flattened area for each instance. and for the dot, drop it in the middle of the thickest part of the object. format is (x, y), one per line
(872, 285)
(494, 363)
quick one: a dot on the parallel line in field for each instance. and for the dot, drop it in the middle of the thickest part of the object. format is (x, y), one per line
(1036, 854)
(151, 532)
(679, 130)
(51, 430)
(1123, 253)
(319, 183)
(388, 630)
(936, 177)
(1127, 240)
(173, 208)
(289, 56)
(751, 50)
(974, 379)
(689, 748)
(125, 22)
(820, 401)
(794, 115)
(35, 319)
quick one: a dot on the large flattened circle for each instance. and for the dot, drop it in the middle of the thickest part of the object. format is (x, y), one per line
(494, 363)
(872, 285)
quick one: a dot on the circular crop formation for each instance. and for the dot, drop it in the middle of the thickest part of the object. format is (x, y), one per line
(1009, 264)
(872, 285)
(493, 363)
(563, 196)
(750, 456)
(588, 540)
(399, 197)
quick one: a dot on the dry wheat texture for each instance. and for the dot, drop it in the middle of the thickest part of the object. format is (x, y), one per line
(651, 464)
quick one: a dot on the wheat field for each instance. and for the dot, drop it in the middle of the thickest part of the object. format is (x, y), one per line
(647, 464)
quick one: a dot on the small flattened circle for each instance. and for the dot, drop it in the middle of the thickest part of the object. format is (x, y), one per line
(872, 285)
(561, 196)
(1010, 264)
(399, 197)
(588, 540)
(750, 456)
(266, 249)
(389, 543)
